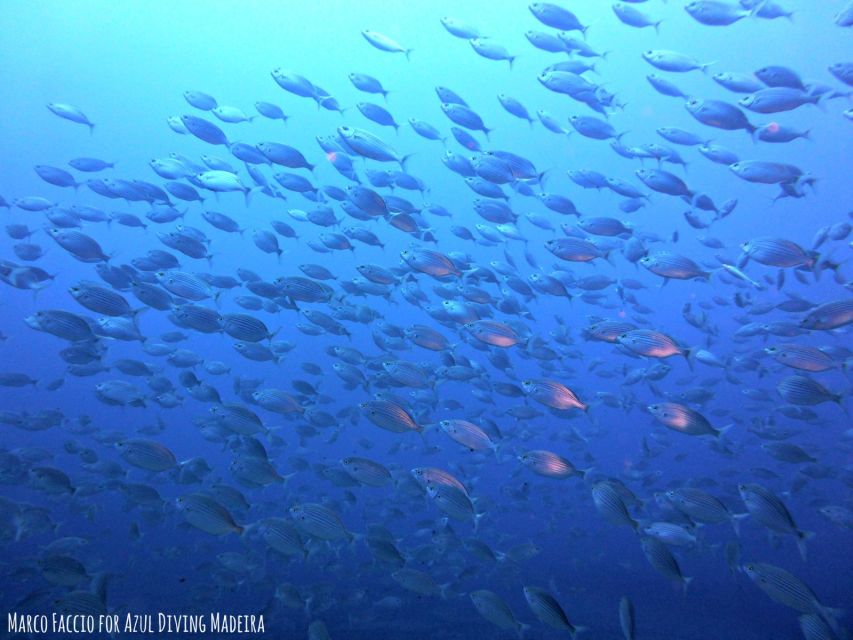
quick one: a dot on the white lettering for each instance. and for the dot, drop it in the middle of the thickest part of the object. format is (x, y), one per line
(108, 623)
(26, 623)
(227, 623)
(136, 623)
(170, 623)
(79, 623)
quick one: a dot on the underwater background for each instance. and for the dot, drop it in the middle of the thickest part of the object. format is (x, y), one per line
(139, 477)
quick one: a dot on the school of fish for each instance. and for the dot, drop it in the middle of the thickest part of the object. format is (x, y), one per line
(437, 402)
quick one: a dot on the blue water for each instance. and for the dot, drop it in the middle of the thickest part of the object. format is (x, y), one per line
(127, 65)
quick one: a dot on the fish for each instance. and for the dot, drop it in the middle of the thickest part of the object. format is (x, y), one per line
(664, 562)
(719, 114)
(384, 43)
(146, 454)
(205, 513)
(493, 608)
(553, 394)
(468, 434)
(390, 416)
(683, 419)
(802, 357)
(653, 344)
(770, 511)
(673, 266)
(803, 390)
(766, 172)
(715, 13)
(626, 618)
(829, 315)
(673, 61)
(491, 50)
(785, 588)
(777, 99)
(545, 607)
(550, 465)
(557, 17)
(609, 503)
(71, 113)
(701, 506)
(634, 17)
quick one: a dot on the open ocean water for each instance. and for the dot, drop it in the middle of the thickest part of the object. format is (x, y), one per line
(427, 320)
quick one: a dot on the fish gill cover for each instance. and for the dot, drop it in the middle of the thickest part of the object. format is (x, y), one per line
(428, 320)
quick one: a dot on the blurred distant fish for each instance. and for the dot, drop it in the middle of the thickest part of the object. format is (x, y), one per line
(384, 43)
(72, 113)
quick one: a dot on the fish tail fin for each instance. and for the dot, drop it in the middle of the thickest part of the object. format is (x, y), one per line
(424, 428)
(578, 630)
(408, 53)
(520, 629)
(636, 525)
(753, 13)
(802, 538)
(685, 582)
(583, 472)
(830, 616)
(404, 160)
(511, 60)
(704, 67)
(477, 518)
(724, 430)
(352, 538)
(91, 128)
(690, 356)
(134, 314)
(838, 399)
(736, 518)
(657, 26)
